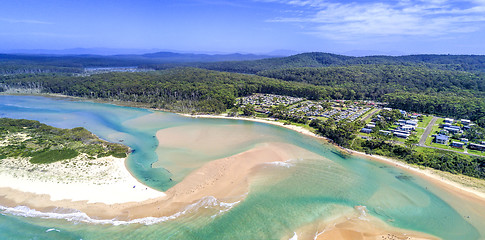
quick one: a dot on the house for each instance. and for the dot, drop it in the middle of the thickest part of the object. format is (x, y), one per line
(384, 132)
(457, 144)
(400, 134)
(476, 146)
(412, 122)
(452, 130)
(465, 122)
(370, 125)
(449, 120)
(445, 125)
(441, 139)
(366, 130)
(406, 128)
(401, 131)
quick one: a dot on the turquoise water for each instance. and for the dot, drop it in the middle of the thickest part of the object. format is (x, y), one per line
(282, 198)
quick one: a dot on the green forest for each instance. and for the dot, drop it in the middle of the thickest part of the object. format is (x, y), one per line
(45, 144)
(442, 85)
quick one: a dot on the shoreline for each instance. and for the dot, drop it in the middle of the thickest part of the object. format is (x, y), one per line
(82, 187)
(178, 199)
(427, 173)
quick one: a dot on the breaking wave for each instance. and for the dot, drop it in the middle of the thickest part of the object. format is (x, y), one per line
(78, 216)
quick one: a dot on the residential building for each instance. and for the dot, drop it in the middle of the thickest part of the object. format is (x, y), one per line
(366, 130)
(476, 146)
(457, 144)
(452, 130)
(465, 122)
(401, 135)
(441, 139)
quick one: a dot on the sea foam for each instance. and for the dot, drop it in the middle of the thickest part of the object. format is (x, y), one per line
(288, 163)
(78, 216)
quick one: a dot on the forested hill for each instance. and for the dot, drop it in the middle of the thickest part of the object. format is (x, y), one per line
(36, 63)
(179, 89)
(475, 63)
(445, 85)
(374, 81)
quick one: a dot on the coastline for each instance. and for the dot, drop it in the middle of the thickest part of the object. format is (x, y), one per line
(260, 120)
(429, 174)
(174, 202)
(94, 184)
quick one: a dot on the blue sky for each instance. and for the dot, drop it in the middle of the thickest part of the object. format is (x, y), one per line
(255, 26)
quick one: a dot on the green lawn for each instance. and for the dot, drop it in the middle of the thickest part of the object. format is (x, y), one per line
(366, 114)
(476, 152)
(442, 146)
(434, 130)
(424, 123)
(419, 132)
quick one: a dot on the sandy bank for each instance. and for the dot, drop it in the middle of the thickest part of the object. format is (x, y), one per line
(225, 179)
(105, 180)
(467, 186)
(353, 224)
(261, 120)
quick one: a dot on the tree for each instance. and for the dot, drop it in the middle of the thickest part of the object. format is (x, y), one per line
(248, 110)
(411, 141)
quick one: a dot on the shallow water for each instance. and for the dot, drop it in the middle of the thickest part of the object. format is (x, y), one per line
(282, 197)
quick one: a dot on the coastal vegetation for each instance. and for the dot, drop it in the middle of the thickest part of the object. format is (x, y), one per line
(46, 144)
(443, 85)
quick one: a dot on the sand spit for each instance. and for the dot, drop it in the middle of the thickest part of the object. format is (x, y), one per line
(225, 180)
(354, 224)
(474, 188)
(367, 229)
(104, 180)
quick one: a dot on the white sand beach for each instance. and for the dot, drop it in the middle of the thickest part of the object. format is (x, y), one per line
(105, 180)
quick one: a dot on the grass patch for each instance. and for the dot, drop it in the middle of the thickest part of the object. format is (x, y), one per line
(366, 114)
(51, 156)
(45, 144)
(434, 130)
(419, 132)
(442, 146)
(476, 152)
(424, 123)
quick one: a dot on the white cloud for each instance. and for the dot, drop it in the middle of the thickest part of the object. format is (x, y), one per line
(397, 18)
(26, 21)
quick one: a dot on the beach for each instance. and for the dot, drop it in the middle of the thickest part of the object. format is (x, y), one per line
(109, 191)
(105, 180)
(429, 174)
(119, 195)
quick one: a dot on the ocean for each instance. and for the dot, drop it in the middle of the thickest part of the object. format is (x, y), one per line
(283, 198)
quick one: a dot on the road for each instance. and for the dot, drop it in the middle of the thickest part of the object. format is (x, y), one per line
(427, 131)
(370, 114)
(422, 141)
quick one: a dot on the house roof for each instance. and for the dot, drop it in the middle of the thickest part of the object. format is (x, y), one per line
(442, 137)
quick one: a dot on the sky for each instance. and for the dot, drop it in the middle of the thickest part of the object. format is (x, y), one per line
(251, 26)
